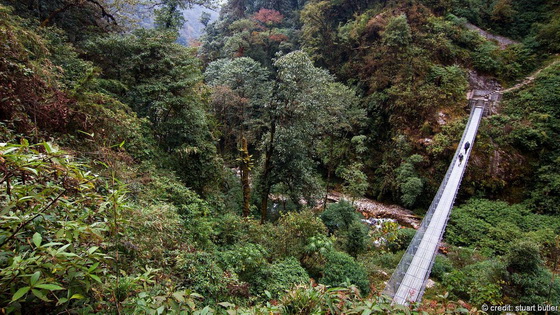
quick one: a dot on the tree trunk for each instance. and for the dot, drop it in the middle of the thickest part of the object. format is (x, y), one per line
(245, 162)
(329, 171)
(266, 173)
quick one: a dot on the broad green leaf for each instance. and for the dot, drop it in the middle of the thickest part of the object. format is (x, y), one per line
(40, 295)
(50, 287)
(34, 278)
(32, 170)
(52, 244)
(179, 297)
(21, 292)
(7, 151)
(92, 249)
(196, 295)
(48, 147)
(96, 278)
(93, 267)
(37, 239)
(61, 301)
(226, 304)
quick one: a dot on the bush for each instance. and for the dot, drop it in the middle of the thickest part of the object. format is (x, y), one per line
(294, 231)
(340, 216)
(523, 257)
(202, 274)
(356, 238)
(530, 281)
(479, 283)
(343, 219)
(442, 265)
(492, 225)
(54, 228)
(402, 240)
(279, 277)
(341, 269)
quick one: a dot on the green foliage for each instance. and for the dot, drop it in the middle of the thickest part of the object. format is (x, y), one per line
(53, 227)
(341, 268)
(200, 272)
(294, 233)
(306, 106)
(241, 91)
(345, 222)
(523, 257)
(530, 280)
(397, 33)
(511, 18)
(340, 215)
(480, 282)
(492, 225)
(410, 184)
(442, 266)
(278, 277)
(402, 239)
(355, 180)
(356, 238)
(244, 260)
(162, 81)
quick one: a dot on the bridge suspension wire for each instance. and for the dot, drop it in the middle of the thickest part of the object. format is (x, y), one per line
(408, 282)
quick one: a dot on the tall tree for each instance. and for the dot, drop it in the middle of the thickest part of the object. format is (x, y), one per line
(305, 102)
(162, 81)
(241, 90)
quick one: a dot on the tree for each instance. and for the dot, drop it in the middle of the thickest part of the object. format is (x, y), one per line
(317, 32)
(169, 16)
(340, 216)
(355, 181)
(205, 18)
(397, 34)
(162, 81)
(304, 102)
(410, 183)
(244, 84)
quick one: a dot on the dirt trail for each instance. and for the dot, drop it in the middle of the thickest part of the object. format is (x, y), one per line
(531, 77)
(502, 41)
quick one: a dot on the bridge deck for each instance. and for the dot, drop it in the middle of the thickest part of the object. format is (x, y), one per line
(409, 280)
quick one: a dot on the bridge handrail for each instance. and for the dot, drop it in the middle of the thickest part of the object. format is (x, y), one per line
(399, 273)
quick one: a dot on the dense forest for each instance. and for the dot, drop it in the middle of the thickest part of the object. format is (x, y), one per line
(140, 174)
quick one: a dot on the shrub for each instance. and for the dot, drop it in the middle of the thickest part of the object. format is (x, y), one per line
(279, 277)
(523, 257)
(341, 269)
(492, 225)
(293, 232)
(54, 228)
(244, 259)
(356, 238)
(479, 283)
(340, 216)
(343, 219)
(402, 240)
(202, 274)
(442, 265)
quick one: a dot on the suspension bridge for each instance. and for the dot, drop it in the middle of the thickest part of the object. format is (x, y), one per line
(408, 282)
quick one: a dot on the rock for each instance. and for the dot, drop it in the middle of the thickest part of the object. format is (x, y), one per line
(430, 284)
